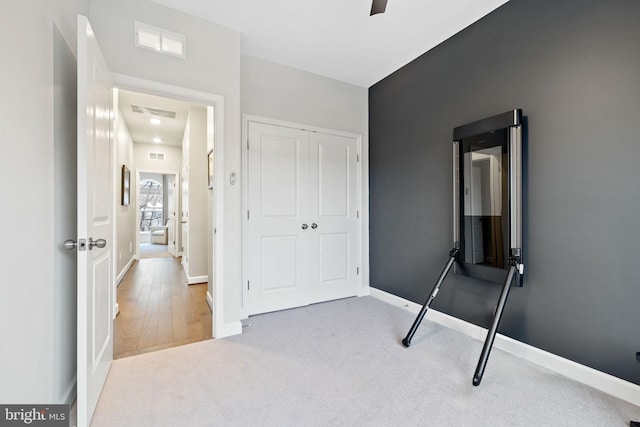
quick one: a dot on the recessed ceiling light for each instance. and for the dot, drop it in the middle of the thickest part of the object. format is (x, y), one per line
(155, 121)
(157, 139)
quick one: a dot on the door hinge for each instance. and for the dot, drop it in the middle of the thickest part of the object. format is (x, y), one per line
(248, 285)
(247, 144)
(247, 215)
(357, 271)
(357, 158)
(357, 214)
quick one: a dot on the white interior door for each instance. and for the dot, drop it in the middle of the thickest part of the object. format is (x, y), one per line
(95, 287)
(333, 212)
(171, 214)
(184, 220)
(277, 202)
(303, 237)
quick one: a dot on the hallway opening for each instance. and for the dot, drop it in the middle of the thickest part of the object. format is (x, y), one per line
(158, 309)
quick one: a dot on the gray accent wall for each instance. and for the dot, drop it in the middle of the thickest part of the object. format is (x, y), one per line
(573, 66)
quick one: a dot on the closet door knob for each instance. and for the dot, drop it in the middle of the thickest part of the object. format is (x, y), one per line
(314, 225)
(305, 226)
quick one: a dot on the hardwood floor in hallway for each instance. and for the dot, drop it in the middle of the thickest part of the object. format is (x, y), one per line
(158, 309)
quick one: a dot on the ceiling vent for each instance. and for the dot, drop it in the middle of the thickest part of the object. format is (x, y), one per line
(160, 40)
(153, 111)
(156, 156)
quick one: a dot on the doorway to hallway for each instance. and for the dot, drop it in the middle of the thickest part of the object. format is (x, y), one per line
(158, 309)
(208, 206)
(156, 223)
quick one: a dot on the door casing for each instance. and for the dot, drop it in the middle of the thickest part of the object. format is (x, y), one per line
(216, 300)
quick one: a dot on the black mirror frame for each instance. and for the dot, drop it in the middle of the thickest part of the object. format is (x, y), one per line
(512, 122)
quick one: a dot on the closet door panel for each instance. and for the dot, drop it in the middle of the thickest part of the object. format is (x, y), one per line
(333, 204)
(277, 250)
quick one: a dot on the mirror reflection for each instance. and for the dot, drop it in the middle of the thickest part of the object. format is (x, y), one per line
(485, 199)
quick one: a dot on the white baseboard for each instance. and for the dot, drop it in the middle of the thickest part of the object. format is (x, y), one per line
(69, 394)
(228, 329)
(125, 270)
(363, 292)
(197, 279)
(606, 383)
(210, 301)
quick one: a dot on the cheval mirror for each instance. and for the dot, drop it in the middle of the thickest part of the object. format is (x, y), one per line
(487, 213)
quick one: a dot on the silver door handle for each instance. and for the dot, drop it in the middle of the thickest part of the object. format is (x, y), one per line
(71, 244)
(100, 243)
(305, 226)
(314, 225)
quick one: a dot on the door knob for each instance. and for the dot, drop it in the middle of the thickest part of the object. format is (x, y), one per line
(71, 244)
(314, 225)
(305, 226)
(100, 243)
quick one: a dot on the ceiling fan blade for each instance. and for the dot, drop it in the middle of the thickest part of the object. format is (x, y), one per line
(378, 6)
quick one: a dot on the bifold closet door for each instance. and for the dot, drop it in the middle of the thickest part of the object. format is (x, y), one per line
(277, 263)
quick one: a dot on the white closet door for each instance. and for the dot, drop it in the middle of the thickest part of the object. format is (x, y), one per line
(333, 209)
(277, 262)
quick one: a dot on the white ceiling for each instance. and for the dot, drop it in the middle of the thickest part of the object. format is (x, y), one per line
(338, 38)
(333, 38)
(140, 127)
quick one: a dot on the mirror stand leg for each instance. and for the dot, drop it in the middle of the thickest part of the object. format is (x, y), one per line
(491, 333)
(452, 257)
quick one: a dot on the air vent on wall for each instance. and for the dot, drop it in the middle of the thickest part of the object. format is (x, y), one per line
(153, 111)
(156, 156)
(159, 40)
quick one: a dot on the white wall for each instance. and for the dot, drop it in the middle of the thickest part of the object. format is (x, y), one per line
(172, 158)
(212, 65)
(125, 215)
(198, 193)
(280, 92)
(151, 175)
(38, 122)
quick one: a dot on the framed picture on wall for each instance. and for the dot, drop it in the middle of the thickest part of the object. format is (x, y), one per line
(126, 186)
(210, 168)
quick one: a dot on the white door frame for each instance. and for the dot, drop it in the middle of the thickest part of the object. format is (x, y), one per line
(363, 196)
(137, 187)
(217, 102)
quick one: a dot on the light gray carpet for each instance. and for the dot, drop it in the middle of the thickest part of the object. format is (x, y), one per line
(342, 364)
